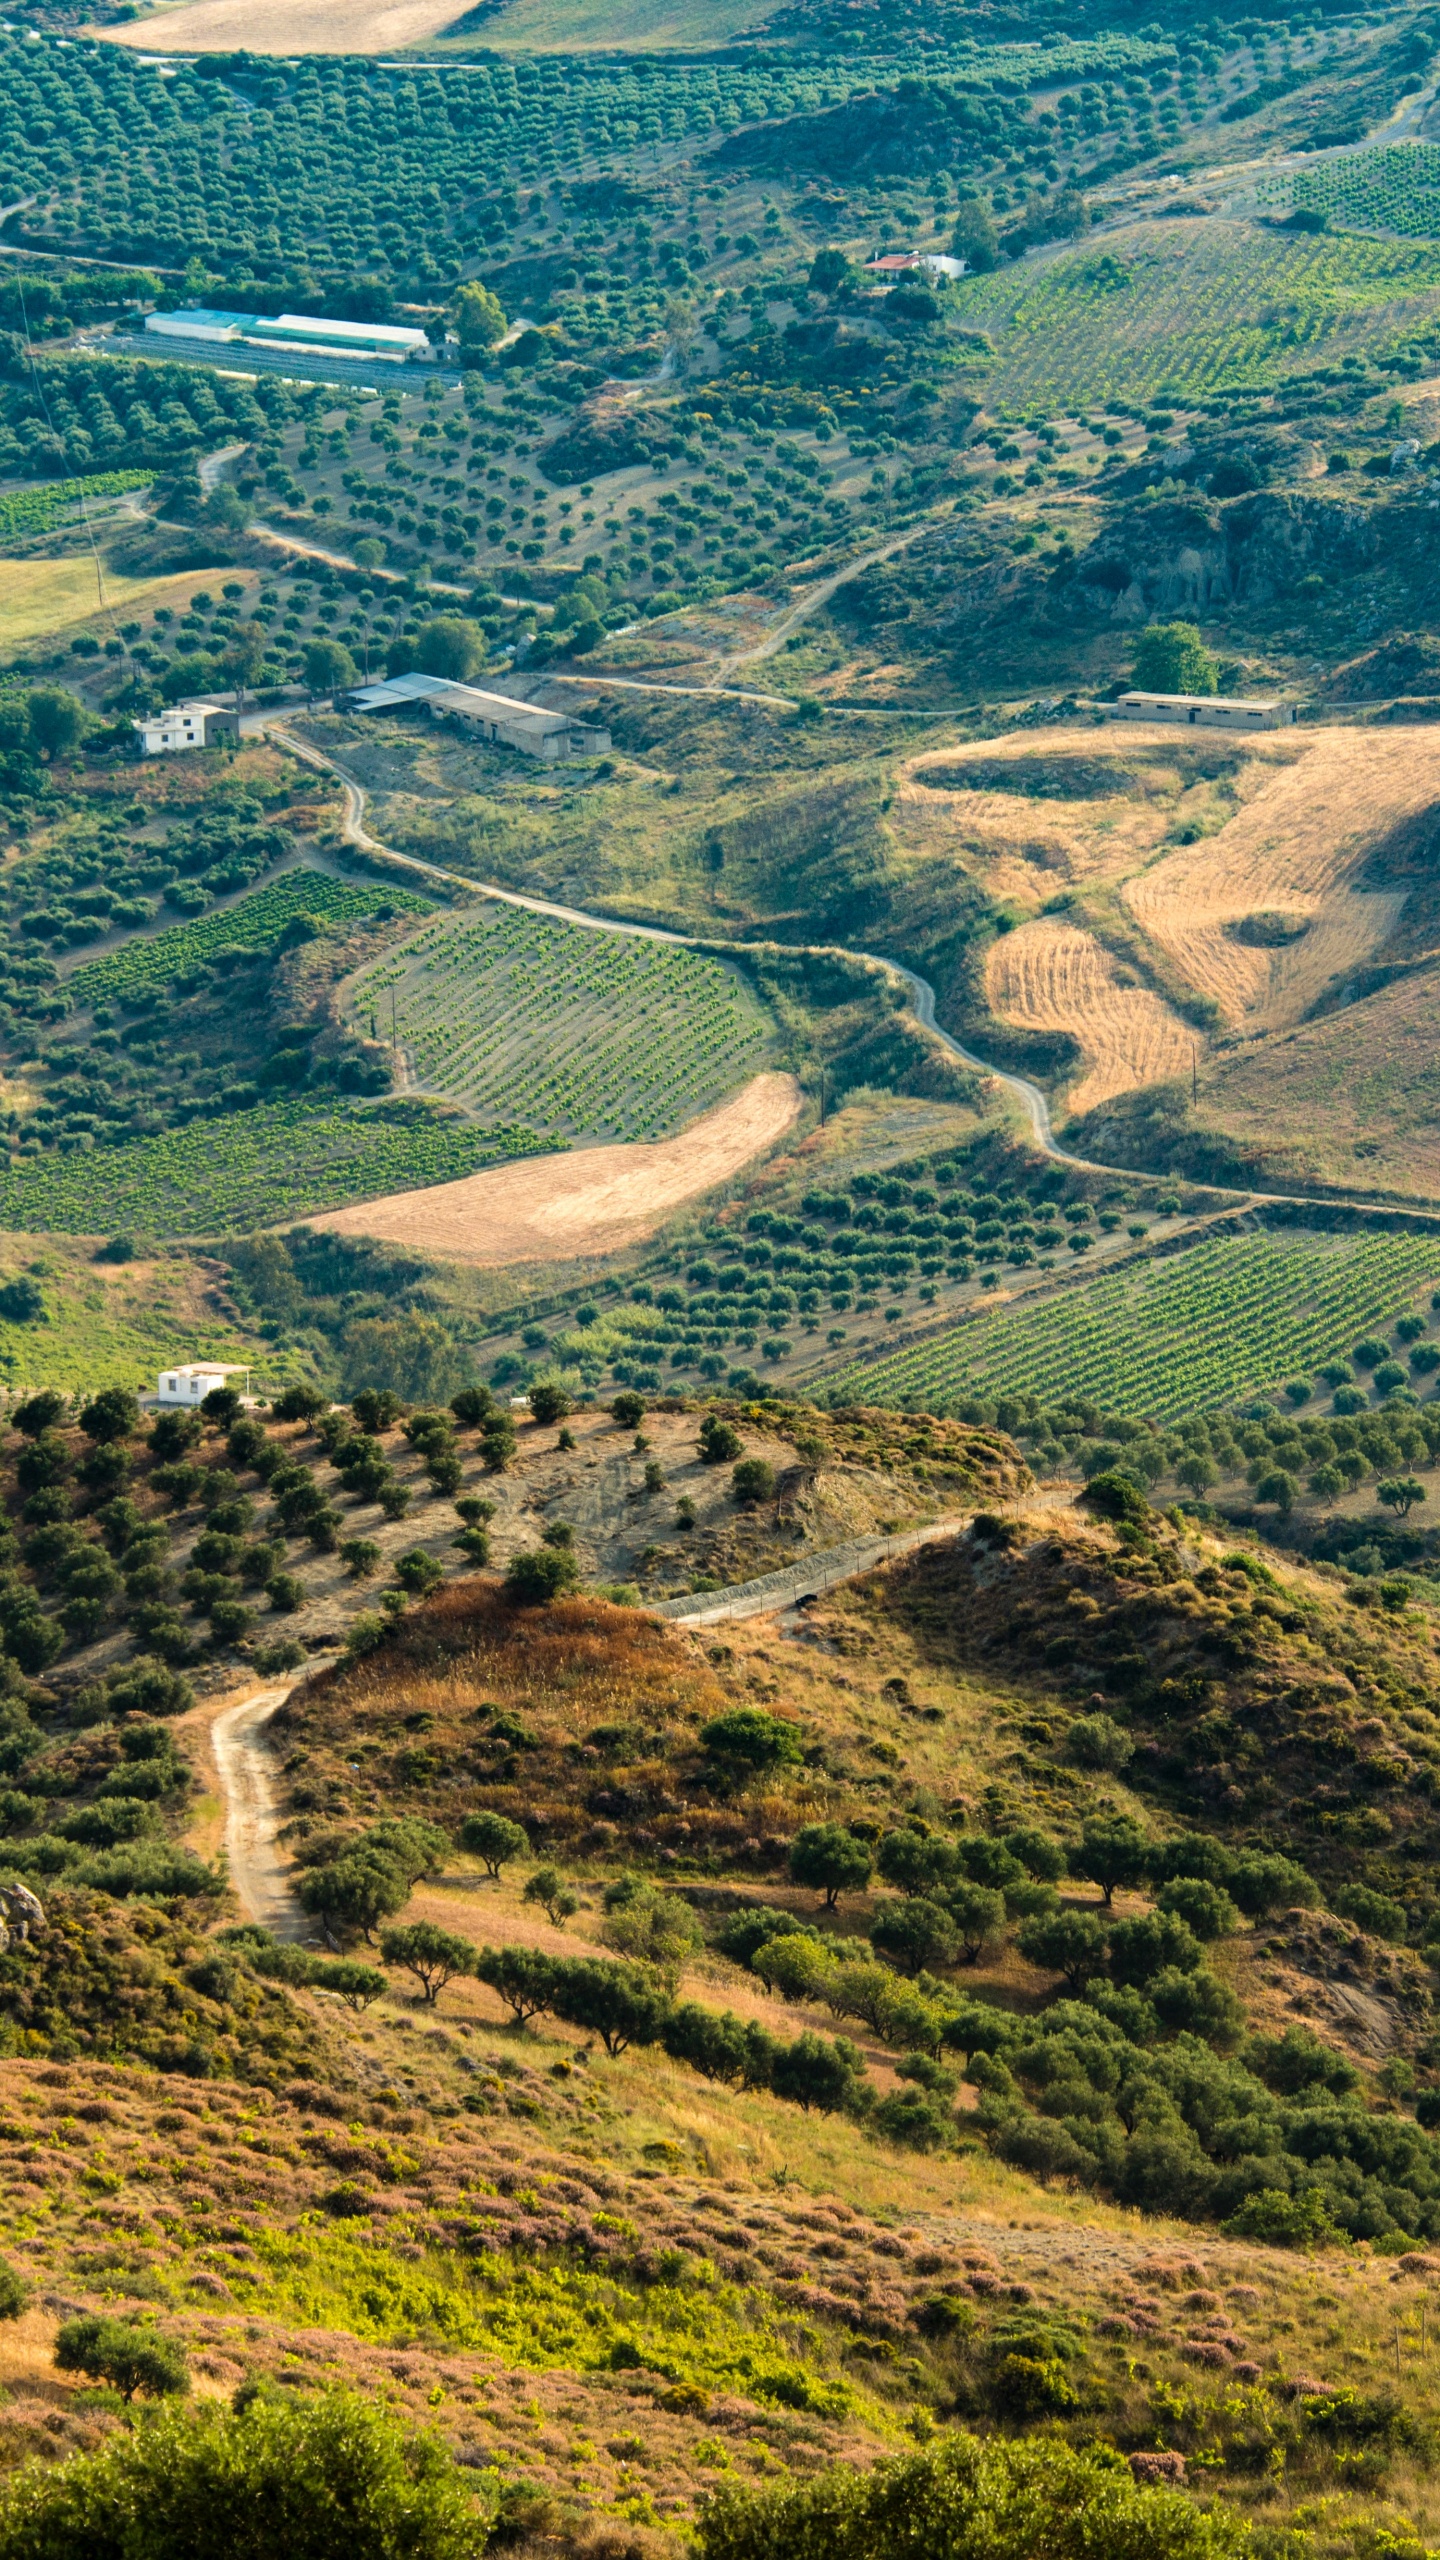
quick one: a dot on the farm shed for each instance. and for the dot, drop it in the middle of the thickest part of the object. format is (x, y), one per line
(1202, 710)
(551, 735)
(294, 330)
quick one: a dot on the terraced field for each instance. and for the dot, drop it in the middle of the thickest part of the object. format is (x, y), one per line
(1222, 1320)
(256, 923)
(591, 1035)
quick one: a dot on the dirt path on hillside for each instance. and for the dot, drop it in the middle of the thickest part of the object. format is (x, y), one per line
(598, 1200)
(243, 1763)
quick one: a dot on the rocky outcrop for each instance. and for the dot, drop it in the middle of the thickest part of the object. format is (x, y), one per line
(1177, 558)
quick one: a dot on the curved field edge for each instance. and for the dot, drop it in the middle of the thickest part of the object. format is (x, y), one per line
(256, 1168)
(598, 1200)
(591, 1034)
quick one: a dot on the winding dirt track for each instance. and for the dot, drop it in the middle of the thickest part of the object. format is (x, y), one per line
(237, 1738)
(598, 1200)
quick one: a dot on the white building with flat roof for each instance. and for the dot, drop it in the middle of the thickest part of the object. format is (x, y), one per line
(185, 724)
(191, 1385)
(1202, 710)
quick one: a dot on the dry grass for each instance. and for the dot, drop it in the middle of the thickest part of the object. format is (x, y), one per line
(41, 597)
(1294, 849)
(1049, 976)
(287, 26)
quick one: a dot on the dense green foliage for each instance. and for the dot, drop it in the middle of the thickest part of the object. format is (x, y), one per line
(322, 2479)
(1147, 1341)
(257, 924)
(964, 2499)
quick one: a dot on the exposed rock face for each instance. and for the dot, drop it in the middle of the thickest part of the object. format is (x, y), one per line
(1177, 558)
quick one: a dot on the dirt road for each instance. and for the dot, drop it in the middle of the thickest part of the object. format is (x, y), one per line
(242, 1759)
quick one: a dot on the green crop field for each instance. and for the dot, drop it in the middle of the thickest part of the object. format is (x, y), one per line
(1222, 1320)
(1396, 188)
(253, 924)
(1182, 310)
(27, 511)
(254, 1168)
(598, 1035)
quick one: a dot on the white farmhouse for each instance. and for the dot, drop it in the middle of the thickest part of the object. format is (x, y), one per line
(191, 1385)
(185, 724)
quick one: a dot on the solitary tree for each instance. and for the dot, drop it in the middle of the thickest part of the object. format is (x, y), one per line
(432, 1954)
(127, 2354)
(558, 1899)
(1400, 1493)
(1171, 657)
(830, 1860)
(975, 238)
(1112, 1851)
(112, 1415)
(493, 1839)
(549, 1400)
(538, 1575)
(1071, 1943)
(480, 321)
(329, 667)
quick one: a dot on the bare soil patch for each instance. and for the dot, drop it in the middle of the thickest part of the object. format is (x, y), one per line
(1050, 976)
(598, 1200)
(1296, 847)
(288, 26)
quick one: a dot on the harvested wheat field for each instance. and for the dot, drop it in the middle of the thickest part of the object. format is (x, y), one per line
(1292, 853)
(557, 1208)
(1049, 976)
(287, 26)
(1076, 804)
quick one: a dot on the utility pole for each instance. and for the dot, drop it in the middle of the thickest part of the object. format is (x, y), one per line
(1194, 1072)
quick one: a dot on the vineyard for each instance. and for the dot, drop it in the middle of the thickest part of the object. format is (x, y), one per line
(593, 1035)
(256, 923)
(1223, 1320)
(1393, 189)
(27, 511)
(252, 1169)
(1201, 305)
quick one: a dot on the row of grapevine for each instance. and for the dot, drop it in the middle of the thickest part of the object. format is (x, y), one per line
(1222, 1320)
(253, 1169)
(1396, 188)
(594, 1034)
(1188, 311)
(256, 923)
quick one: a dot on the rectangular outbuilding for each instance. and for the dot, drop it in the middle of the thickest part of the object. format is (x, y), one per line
(553, 736)
(1202, 710)
(191, 1385)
